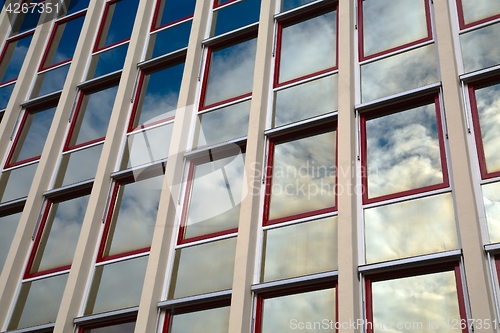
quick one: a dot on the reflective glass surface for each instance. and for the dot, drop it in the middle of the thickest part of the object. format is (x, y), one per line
(233, 119)
(308, 47)
(117, 328)
(51, 81)
(416, 300)
(237, 15)
(77, 5)
(491, 200)
(300, 249)
(134, 216)
(93, 116)
(169, 40)
(16, 183)
(38, 302)
(410, 228)
(118, 23)
(405, 71)
(60, 234)
(488, 109)
(303, 178)
(305, 100)
(33, 135)
(388, 24)
(159, 95)
(13, 58)
(478, 51)
(290, 4)
(107, 62)
(174, 10)
(78, 166)
(5, 93)
(117, 285)
(211, 320)
(64, 42)
(217, 189)
(403, 151)
(214, 262)
(231, 72)
(8, 225)
(476, 10)
(25, 21)
(286, 313)
(147, 146)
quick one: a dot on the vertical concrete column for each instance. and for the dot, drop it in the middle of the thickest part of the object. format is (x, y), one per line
(161, 245)
(478, 282)
(240, 318)
(348, 283)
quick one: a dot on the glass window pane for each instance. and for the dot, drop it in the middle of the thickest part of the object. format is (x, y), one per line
(117, 328)
(300, 249)
(303, 178)
(147, 146)
(117, 285)
(410, 228)
(233, 119)
(491, 200)
(416, 299)
(403, 151)
(478, 51)
(231, 72)
(211, 320)
(93, 116)
(32, 137)
(203, 268)
(77, 5)
(60, 234)
(291, 4)
(78, 166)
(388, 24)
(5, 93)
(8, 225)
(134, 216)
(51, 81)
(308, 47)
(476, 10)
(107, 62)
(38, 302)
(13, 58)
(234, 16)
(16, 183)
(305, 100)
(169, 40)
(171, 11)
(292, 312)
(25, 21)
(159, 95)
(488, 110)
(216, 193)
(118, 23)
(398, 73)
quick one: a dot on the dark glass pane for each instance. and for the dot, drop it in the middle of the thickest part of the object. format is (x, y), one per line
(13, 58)
(475, 10)
(77, 5)
(78, 166)
(16, 183)
(211, 320)
(117, 328)
(8, 225)
(25, 22)
(174, 10)
(169, 40)
(51, 81)
(290, 4)
(491, 201)
(235, 16)
(107, 62)
(478, 51)
(118, 23)
(5, 93)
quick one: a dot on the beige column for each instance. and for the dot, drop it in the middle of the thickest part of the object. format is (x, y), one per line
(348, 283)
(477, 276)
(166, 225)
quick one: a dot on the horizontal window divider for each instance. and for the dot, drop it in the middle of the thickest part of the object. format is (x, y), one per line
(492, 248)
(44, 328)
(199, 152)
(110, 47)
(106, 316)
(146, 127)
(206, 240)
(299, 11)
(489, 180)
(56, 66)
(306, 80)
(422, 260)
(302, 125)
(83, 146)
(196, 299)
(480, 74)
(147, 168)
(225, 105)
(231, 35)
(408, 197)
(41, 100)
(295, 282)
(227, 4)
(170, 25)
(70, 189)
(119, 259)
(300, 220)
(146, 64)
(42, 277)
(398, 51)
(104, 79)
(427, 90)
(13, 205)
(18, 166)
(480, 25)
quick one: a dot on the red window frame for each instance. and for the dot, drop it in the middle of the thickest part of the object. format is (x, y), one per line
(461, 18)
(6, 46)
(384, 111)
(111, 322)
(270, 166)
(439, 268)
(293, 291)
(157, 14)
(299, 19)
(226, 3)
(101, 29)
(361, 51)
(210, 51)
(477, 128)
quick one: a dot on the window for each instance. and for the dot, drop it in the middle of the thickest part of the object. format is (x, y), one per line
(123, 325)
(211, 317)
(8, 224)
(471, 13)
(225, 11)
